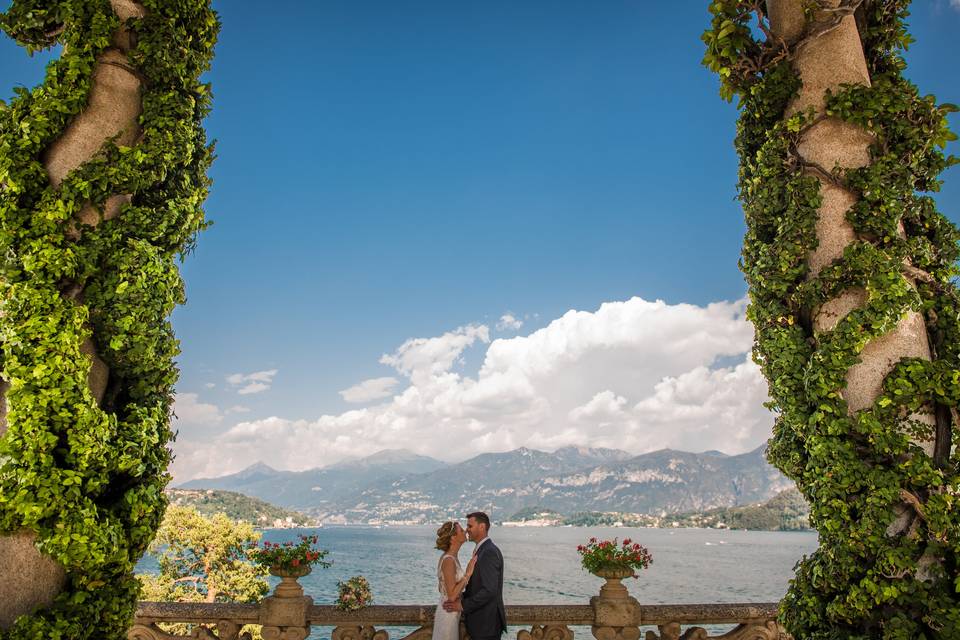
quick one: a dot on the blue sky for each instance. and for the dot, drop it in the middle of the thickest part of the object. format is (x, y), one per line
(391, 172)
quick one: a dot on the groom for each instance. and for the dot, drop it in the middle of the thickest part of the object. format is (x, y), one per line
(482, 603)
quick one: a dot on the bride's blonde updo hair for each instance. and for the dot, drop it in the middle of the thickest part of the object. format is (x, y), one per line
(446, 531)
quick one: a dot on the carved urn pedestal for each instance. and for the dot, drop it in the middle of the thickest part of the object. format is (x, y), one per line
(616, 613)
(284, 614)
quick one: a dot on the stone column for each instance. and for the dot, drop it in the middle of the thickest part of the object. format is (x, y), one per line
(826, 62)
(31, 579)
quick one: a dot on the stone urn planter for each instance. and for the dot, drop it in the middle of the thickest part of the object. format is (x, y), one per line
(614, 589)
(289, 587)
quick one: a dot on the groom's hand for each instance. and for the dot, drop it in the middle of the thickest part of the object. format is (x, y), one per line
(452, 605)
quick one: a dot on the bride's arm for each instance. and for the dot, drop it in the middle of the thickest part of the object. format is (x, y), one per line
(458, 588)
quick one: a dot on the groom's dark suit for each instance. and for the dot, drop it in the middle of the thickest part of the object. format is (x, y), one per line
(483, 612)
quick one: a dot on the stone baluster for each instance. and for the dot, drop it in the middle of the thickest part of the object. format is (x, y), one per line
(358, 632)
(760, 630)
(546, 632)
(616, 614)
(226, 630)
(284, 615)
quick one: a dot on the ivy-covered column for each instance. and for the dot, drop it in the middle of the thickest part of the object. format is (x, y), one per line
(102, 181)
(827, 147)
(857, 319)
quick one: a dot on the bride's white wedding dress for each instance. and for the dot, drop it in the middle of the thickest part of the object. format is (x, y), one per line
(446, 624)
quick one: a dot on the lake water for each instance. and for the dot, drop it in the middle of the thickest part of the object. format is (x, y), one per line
(541, 565)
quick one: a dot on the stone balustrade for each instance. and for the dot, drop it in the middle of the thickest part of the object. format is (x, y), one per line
(612, 615)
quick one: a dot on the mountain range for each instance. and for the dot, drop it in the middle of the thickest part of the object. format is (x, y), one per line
(315, 488)
(398, 486)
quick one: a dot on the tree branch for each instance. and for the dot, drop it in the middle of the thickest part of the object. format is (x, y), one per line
(911, 499)
(822, 27)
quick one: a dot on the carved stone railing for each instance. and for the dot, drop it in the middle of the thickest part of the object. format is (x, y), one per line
(545, 622)
(613, 615)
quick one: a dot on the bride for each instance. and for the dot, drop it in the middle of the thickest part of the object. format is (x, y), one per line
(451, 579)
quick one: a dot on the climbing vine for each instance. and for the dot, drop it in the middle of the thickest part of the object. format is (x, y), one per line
(86, 476)
(859, 471)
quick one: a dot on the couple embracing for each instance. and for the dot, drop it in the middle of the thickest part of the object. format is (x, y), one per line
(477, 591)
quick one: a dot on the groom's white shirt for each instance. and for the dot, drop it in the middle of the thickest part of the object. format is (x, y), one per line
(476, 549)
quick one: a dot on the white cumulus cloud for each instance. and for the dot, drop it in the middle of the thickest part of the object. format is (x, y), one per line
(509, 322)
(604, 405)
(193, 414)
(373, 389)
(634, 375)
(702, 402)
(421, 358)
(256, 382)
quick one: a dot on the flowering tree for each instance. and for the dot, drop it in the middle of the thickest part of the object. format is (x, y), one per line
(204, 560)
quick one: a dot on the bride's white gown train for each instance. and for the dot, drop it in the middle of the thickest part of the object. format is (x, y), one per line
(446, 624)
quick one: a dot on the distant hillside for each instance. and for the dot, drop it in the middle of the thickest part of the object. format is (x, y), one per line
(786, 511)
(665, 481)
(237, 507)
(321, 486)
